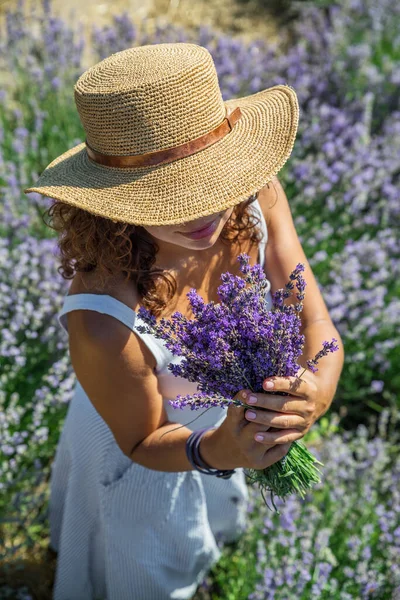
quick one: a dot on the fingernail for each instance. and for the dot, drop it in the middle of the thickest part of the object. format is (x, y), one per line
(250, 414)
(244, 394)
(268, 385)
(252, 400)
(259, 438)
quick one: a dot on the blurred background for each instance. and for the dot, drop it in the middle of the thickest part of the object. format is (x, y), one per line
(342, 180)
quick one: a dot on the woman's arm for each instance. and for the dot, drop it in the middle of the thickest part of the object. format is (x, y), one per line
(329, 367)
(116, 370)
(283, 252)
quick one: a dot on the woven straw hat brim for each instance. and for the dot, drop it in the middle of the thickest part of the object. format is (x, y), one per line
(212, 180)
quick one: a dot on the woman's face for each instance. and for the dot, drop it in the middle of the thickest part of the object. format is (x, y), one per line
(192, 235)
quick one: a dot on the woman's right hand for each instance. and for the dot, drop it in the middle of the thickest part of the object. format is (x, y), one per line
(232, 444)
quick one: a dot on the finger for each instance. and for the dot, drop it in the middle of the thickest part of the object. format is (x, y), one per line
(290, 404)
(277, 437)
(254, 449)
(236, 413)
(251, 429)
(274, 454)
(273, 419)
(290, 384)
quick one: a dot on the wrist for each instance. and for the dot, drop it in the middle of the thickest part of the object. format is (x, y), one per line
(211, 450)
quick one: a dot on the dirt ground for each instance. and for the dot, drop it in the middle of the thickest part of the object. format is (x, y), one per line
(238, 18)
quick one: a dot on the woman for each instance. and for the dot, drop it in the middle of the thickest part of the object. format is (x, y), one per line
(171, 184)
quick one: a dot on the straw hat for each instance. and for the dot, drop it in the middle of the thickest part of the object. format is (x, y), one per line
(162, 147)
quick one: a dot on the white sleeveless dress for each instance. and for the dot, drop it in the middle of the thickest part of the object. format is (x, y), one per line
(123, 531)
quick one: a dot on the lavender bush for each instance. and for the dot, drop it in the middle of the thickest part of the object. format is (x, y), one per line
(342, 182)
(36, 380)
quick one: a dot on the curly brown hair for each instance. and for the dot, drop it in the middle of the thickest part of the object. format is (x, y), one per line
(89, 242)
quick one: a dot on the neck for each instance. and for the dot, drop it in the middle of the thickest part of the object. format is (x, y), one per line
(173, 257)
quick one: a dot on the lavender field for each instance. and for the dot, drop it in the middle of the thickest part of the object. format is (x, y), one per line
(343, 183)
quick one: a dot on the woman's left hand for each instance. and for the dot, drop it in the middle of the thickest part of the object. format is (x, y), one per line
(293, 415)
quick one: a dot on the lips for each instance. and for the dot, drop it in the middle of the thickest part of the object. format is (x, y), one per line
(205, 231)
(198, 230)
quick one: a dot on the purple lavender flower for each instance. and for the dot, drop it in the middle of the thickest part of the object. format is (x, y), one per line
(236, 344)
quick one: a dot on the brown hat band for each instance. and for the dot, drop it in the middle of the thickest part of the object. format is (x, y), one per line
(170, 154)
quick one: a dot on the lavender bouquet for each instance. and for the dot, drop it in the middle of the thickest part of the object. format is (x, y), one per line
(236, 344)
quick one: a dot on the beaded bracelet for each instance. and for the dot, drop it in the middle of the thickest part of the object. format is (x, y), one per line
(194, 457)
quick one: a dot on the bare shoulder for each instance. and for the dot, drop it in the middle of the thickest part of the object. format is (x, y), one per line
(92, 331)
(275, 206)
(95, 323)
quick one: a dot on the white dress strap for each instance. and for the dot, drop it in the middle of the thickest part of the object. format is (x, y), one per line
(103, 303)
